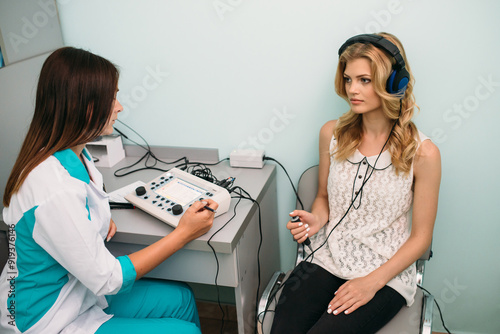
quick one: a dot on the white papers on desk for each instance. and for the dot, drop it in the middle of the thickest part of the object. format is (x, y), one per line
(118, 195)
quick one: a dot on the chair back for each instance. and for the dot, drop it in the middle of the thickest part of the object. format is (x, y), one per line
(308, 187)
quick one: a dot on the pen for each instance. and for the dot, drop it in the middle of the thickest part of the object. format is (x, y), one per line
(209, 208)
(121, 206)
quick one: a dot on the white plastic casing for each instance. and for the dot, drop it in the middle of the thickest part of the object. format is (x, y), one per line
(108, 149)
(178, 187)
(247, 158)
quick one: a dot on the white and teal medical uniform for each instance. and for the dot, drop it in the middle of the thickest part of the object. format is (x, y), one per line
(60, 277)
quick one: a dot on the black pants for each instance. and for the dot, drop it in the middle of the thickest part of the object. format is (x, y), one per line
(308, 291)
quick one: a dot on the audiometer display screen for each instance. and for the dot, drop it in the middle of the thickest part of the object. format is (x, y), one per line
(180, 192)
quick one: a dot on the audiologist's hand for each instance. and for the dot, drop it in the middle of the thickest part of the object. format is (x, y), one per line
(197, 220)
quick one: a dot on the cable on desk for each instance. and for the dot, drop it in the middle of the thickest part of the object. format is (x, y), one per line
(208, 164)
(147, 156)
(199, 168)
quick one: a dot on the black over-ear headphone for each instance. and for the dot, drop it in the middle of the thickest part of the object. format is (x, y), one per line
(399, 77)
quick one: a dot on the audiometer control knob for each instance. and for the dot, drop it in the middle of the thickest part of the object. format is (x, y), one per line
(177, 209)
(140, 191)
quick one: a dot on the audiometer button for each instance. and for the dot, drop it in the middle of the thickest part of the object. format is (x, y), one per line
(140, 191)
(177, 209)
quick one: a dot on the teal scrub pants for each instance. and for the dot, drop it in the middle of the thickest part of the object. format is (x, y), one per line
(152, 306)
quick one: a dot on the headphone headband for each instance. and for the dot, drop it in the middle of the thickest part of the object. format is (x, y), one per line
(400, 77)
(379, 42)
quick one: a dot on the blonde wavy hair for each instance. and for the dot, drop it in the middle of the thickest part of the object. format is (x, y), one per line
(348, 131)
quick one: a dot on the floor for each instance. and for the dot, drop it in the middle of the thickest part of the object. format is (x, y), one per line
(211, 318)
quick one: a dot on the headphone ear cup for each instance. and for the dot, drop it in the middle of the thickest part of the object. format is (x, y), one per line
(398, 81)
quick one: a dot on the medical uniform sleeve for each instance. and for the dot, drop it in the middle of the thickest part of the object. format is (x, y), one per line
(63, 229)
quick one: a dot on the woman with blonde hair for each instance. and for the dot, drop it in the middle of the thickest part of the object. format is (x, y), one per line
(374, 213)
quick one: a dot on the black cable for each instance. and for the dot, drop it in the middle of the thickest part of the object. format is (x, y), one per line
(209, 164)
(293, 187)
(356, 195)
(241, 194)
(147, 156)
(217, 263)
(439, 309)
(245, 195)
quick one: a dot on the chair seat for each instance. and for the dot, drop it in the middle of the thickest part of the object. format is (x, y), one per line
(408, 320)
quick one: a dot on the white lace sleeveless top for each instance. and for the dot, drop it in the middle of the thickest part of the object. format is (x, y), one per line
(377, 224)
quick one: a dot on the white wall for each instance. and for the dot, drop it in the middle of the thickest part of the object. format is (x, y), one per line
(231, 73)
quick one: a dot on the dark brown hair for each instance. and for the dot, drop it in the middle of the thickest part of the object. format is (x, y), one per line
(74, 98)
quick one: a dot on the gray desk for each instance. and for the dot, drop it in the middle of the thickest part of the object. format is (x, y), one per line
(236, 244)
